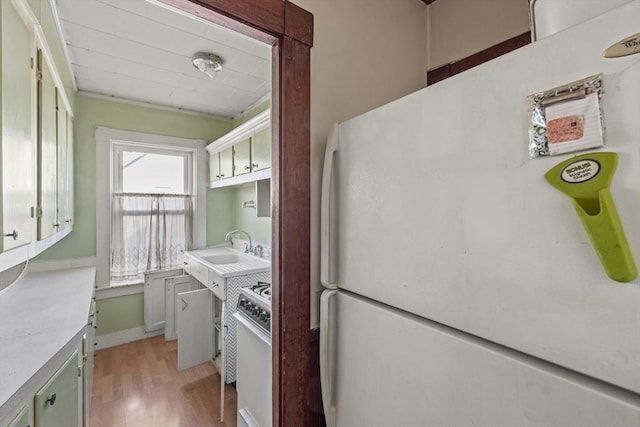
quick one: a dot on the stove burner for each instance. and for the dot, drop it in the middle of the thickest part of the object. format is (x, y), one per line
(263, 289)
(254, 304)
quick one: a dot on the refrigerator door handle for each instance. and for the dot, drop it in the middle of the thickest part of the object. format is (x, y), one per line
(327, 213)
(327, 353)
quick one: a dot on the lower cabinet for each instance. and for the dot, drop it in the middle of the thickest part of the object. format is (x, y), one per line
(173, 287)
(57, 403)
(154, 298)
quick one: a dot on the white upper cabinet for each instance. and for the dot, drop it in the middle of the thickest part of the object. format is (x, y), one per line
(261, 150)
(18, 139)
(47, 151)
(243, 154)
(65, 167)
(36, 130)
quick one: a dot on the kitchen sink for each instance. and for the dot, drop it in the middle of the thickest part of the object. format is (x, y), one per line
(223, 259)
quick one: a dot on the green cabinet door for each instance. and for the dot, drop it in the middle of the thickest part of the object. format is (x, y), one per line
(214, 167)
(21, 420)
(68, 219)
(261, 150)
(57, 404)
(62, 162)
(47, 152)
(18, 140)
(242, 157)
(226, 163)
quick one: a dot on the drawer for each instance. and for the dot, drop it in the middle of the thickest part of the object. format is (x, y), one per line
(198, 271)
(216, 284)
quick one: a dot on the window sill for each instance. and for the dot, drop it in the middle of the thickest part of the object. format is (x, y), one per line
(120, 289)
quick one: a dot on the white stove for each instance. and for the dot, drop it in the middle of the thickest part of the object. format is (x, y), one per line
(254, 304)
(253, 378)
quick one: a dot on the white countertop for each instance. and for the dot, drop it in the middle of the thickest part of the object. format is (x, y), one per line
(248, 263)
(42, 316)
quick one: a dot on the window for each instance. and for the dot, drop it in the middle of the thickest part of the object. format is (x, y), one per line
(152, 211)
(108, 142)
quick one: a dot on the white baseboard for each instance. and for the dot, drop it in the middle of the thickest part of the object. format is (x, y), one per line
(123, 337)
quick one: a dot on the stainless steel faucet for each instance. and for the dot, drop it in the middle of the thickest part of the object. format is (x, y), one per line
(258, 251)
(227, 238)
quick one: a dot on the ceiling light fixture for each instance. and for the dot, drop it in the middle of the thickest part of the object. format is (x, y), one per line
(208, 63)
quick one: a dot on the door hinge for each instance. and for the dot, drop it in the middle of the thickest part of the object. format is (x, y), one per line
(39, 75)
(38, 211)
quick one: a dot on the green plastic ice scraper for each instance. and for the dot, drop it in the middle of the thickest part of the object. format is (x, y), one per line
(586, 180)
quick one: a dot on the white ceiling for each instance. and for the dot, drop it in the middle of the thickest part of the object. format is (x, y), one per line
(141, 51)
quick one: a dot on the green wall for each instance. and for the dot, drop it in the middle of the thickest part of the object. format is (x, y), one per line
(93, 112)
(126, 312)
(120, 313)
(247, 115)
(220, 215)
(246, 218)
(226, 213)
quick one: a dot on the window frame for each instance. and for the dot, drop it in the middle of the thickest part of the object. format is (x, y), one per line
(105, 138)
(117, 147)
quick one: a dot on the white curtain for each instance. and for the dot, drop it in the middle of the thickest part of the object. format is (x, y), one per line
(149, 232)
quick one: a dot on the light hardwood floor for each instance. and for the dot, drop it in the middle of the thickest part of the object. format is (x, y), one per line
(137, 384)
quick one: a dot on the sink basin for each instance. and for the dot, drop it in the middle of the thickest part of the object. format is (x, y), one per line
(222, 259)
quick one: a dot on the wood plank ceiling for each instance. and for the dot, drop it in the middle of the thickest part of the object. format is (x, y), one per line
(141, 51)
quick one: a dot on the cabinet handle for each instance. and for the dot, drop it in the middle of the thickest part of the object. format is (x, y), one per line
(68, 221)
(221, 175)
(52, 400)
(254, 165)
(56, 225)
(218, 176)
(247, 168)
(14, 234)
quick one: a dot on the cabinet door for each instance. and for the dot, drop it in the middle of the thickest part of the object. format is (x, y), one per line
(242, 157)
(195, 328)
(18, 140)
(173, 287)
(62, 162)
(57, 404)
(154, 298)
(21, 420)
(214, 167)
(261, 150)
(47, 152)
(226, 163)
(68, 219)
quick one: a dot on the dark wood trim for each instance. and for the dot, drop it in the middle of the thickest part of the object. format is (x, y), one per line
(290, 30)
(260, 19)
(445, 71)
(298, 24)
(291, 243)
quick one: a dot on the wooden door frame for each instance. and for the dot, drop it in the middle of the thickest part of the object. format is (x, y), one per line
(289, 29)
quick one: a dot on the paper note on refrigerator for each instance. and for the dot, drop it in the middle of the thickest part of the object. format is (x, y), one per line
(574, 125)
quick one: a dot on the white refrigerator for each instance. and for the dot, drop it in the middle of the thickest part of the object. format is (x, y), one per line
(461, 288)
